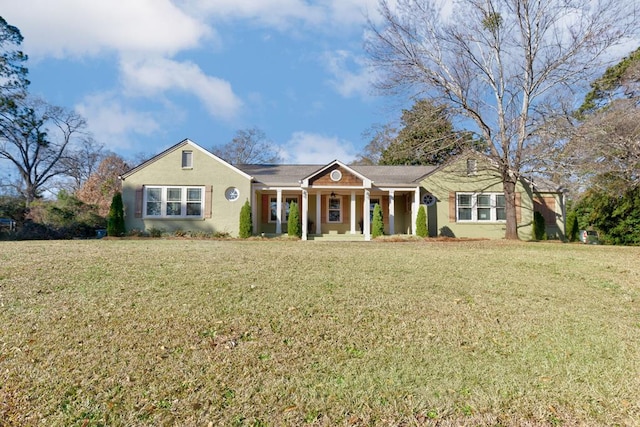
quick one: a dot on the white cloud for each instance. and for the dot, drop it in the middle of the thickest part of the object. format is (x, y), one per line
(310, 148)
(150, 77)
(78, 27)
(113, 123)
(351, 76)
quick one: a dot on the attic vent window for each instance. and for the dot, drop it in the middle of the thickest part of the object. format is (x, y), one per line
(336, 175)
(187, 159)
(472, 167)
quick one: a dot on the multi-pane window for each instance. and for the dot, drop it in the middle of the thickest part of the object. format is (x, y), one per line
(480, 207)
(285, 208)
(334, 209)
(174, 202)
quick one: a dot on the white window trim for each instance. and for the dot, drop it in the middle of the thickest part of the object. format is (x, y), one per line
(190, 165)
(339, 199)
(372, 204)
(274, 199)
(183, 202)
(474, 208)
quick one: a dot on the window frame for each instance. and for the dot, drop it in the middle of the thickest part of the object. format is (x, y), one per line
(476, 207)
(273, 203)
(187, 159)
(185, 193)
(330, 209)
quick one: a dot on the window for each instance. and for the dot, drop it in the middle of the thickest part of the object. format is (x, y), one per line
(174, 202)
(480, 207)
(472, 167)
(187, 159)
(285, 208)
(334, 209)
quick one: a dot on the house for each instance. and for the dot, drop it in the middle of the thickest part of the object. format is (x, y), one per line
(188, 188)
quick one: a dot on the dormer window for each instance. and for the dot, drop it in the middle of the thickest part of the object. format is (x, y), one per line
(187, 159)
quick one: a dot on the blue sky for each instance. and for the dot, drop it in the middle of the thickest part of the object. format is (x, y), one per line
(148, 73)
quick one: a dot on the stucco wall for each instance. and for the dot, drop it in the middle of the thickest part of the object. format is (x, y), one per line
(207, 170)
(454, 178)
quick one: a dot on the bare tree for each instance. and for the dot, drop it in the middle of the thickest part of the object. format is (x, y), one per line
(36, 137)
(380, 137)
(103, 183)
(249, 146)
(506, 65)
(82, 161)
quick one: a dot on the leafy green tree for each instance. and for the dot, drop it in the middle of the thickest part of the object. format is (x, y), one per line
(572, 226)
(115, 221)
(246, 221)
(294, 227)
(421, 222)
(13, 72)
(377, 223)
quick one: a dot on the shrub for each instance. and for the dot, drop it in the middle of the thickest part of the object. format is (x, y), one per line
(538, 226)
(377, 225)
(155, 232)
(421, 222)
(246, 221)
(115, 221)
(293, 223)
(572, 226)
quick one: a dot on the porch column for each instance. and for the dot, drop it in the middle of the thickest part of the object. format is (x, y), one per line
(279, 212)
(254, 211)
(365, 212)
(305, 214)
(318, 213)
(353, 212)
(414, 210)
(392, 216)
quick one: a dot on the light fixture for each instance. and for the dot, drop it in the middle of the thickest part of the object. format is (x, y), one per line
(333, 195)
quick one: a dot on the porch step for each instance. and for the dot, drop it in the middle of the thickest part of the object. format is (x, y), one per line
(333, 237)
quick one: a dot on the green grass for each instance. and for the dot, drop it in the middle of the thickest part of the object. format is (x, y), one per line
(256, 333)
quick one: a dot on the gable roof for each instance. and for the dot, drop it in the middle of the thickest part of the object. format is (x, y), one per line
(177, 146)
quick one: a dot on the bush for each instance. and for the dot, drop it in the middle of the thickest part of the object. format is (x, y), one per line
(421, 222)
(115, 221)
(377, 224)
(538, 226)
(246, 221)
(293, 223)
(572, 226)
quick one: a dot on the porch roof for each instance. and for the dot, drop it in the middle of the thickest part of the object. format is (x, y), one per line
(381, 176)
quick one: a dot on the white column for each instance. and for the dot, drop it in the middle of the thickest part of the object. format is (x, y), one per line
(279, 212)
(392, 216)
(254, 211)
(353, 212)
(414, 210)
(365, 212)
(305, 214)
(318, 213)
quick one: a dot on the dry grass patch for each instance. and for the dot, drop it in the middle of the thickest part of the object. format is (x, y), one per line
(179, 332)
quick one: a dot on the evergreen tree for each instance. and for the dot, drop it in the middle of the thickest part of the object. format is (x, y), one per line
(115, 221)
(421, 222)
(293, 223)
(377, 225)
(246, 221)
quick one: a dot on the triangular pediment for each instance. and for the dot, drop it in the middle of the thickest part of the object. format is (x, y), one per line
(336, 174)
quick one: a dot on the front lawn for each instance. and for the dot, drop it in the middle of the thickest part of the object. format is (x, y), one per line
(269, 333)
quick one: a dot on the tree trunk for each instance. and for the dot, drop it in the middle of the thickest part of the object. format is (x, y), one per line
(511, 232)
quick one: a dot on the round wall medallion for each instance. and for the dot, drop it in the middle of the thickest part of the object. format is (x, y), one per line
(232, 194)
(428, 199)
(336, 175)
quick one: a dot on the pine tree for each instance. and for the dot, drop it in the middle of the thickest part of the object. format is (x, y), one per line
(421, 222)
(246, 221)
(115, 220)
(293, 223)
(377, 226)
